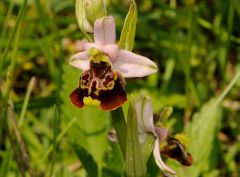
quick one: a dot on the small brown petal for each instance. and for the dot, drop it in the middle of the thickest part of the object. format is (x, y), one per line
(176, 150)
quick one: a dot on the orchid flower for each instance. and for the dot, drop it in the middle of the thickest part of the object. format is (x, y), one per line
(99, 86)
(123, 61)
(104, 65)
(146, 126)
(175, 147)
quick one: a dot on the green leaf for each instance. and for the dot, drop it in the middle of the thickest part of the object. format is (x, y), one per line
(86, 160)
(202, 133)
(134, 163)
(113, 162)
(129, 28)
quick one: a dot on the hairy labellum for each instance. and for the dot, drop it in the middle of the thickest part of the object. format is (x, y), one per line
(176, 150)
(100, 86)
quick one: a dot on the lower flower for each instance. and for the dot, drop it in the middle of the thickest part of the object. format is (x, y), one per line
(174, 148)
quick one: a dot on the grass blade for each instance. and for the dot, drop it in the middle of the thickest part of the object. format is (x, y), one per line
(13, 34)
(26, 100)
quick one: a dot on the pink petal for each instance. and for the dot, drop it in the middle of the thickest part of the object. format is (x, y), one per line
(144, 112)
(80, 45)
(133, 65)
(104, 30)
(161, 133)
(111, 51)
(166, 170)
(89, 45)
(80, 60)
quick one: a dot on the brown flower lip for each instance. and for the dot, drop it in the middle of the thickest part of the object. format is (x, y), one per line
(176, 150)
(100, 86)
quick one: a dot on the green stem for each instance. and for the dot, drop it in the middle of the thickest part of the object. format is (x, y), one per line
(190, 89)
(119, 123)
(59, 137)
(55, 143)
(229, 87)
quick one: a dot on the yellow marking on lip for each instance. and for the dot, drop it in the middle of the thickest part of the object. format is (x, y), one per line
(115, 75)
(183, 139)
(89, 101)
(97, 57)
(96, 92)
(83, 86)
(111, 84)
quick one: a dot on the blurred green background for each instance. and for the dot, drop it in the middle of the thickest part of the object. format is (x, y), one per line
(196, 45)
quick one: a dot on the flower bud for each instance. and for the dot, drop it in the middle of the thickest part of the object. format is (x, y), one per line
(166, 113)
(87, 11)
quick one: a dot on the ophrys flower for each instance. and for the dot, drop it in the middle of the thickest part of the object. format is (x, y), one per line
(103, 63)
(173, 147)
(146, 125)
(99, 86)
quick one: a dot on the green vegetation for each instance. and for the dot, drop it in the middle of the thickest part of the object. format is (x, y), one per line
(196, 45)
